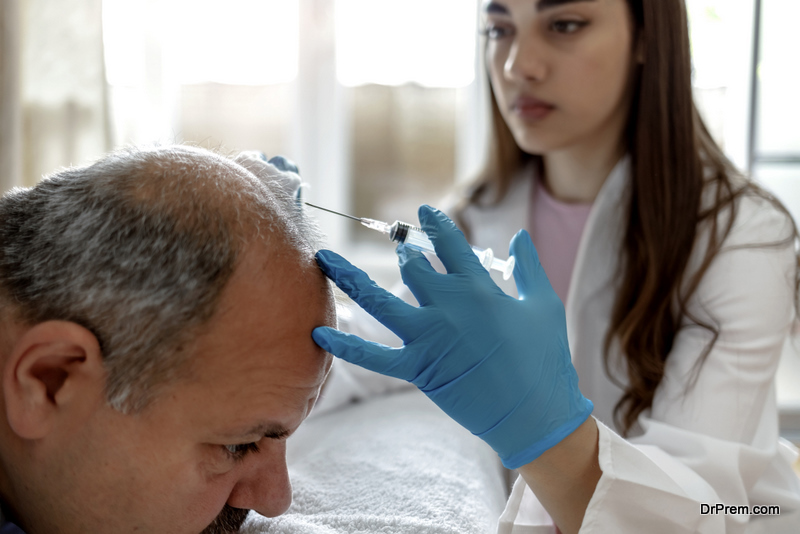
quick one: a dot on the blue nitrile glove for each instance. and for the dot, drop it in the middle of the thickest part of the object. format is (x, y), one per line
(497, 365)
(288, 179)
(283, 163)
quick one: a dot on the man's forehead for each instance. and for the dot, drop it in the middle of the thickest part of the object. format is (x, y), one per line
(295, 272)
(270, 306)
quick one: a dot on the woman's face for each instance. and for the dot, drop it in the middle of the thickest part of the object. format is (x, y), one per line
(560, 70)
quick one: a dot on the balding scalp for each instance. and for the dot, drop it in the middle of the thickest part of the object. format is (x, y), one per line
(137, 248)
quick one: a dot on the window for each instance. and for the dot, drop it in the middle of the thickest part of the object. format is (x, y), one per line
(749, 105)
(776, 143)
(430, 43)
(371, 99)
(215, 74)
(405, 71)
(720, 33)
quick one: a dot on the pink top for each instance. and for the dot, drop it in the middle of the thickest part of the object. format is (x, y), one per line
(556, 229)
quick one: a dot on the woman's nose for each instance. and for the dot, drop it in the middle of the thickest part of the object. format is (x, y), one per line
(264, 485)
(526, 60)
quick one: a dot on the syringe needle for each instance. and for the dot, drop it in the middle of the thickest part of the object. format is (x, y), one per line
(372, 224)
(334, 212)
(411, 235)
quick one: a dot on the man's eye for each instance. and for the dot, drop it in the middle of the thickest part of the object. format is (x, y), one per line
(238, 452)
(494, 32)
(567, 26)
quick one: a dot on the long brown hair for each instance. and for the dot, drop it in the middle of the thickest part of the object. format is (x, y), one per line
(674, 163)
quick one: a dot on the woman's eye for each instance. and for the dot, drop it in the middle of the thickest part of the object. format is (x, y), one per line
(492, 31)
(238, 452)
(567, 26)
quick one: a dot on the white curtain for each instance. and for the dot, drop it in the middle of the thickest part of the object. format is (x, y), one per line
(53, 105)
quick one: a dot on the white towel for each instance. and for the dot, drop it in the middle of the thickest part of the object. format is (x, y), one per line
(393, 464)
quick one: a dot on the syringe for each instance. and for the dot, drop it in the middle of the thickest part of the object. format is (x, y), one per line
(413, 236)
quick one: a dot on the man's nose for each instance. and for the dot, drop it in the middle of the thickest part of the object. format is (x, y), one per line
(264, 484)
(526, 60)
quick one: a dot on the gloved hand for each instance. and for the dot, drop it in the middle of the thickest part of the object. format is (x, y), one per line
(497, 365)
(288, 179)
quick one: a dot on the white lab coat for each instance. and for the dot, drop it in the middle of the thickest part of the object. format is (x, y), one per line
(714, 443)
(718, 441)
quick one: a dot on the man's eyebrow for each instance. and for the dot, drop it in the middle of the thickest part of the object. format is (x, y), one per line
(541, 5)
(267, 430)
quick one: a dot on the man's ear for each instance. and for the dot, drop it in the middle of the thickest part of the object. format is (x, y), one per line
(55, 369)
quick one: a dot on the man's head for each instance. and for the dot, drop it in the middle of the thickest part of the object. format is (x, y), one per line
(155, 343)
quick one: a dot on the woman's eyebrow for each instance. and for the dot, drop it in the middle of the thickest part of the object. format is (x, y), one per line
(541, 5)
(494, 7)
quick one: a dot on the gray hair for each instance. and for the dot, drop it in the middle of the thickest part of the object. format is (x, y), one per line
(137, 248)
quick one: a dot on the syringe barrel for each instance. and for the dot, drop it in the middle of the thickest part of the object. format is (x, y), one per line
(410, 235)
(401, 232)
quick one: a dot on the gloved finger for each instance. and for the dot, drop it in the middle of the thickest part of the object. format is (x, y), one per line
(284, 164)
(417, 273)
(256, 162)
(450, 244)
(528, 271)
(252, 154)
(288, 166)
(367, 354)
(388, 309)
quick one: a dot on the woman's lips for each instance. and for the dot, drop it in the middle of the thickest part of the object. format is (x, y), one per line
(529, 108)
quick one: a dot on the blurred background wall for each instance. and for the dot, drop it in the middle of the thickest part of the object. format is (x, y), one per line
(53, 105)
(376, 101)
(381, 104)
